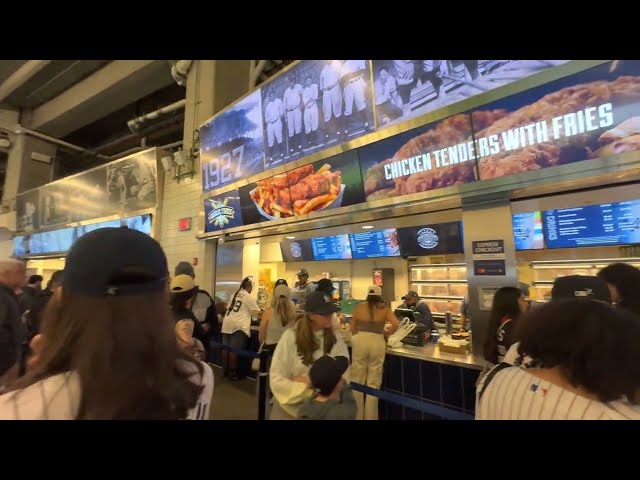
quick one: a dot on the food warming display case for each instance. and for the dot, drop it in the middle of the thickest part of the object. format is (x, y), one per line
(545, 272)
(441, 286)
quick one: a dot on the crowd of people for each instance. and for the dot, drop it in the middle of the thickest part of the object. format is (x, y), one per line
(572, 358)
(82, 348)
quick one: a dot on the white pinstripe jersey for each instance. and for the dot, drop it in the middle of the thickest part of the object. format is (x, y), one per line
(58, 398)
(515, 394)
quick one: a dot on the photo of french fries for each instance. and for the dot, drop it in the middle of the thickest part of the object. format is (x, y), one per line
(272, 197)
(313, 191)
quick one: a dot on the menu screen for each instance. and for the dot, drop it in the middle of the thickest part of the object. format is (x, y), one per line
(606, 224)
(527, 231)
(380, 243)
(437, 239)
(331, 248)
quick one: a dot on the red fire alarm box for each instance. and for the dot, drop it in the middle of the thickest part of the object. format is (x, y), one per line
(184, 224)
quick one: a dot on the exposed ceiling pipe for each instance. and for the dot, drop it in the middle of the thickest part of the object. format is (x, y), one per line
(136, 124)
(180, 70)
(20, 129)
(20, 76)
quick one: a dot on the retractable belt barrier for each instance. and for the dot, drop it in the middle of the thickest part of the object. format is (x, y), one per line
(262, 373)
(412, 403)
(385, 395)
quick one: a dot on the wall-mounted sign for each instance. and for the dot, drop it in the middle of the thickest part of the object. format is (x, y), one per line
(489, 257)
(184, 224)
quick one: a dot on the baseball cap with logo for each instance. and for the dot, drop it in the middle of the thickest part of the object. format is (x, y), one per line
(281, 281)
(115, 261)
(326, 372)
(580, 286)
(410, 294)
(281, 291)
(325, 285)
(320, 303)
(374, 290)
(303, 271)
(182, 283)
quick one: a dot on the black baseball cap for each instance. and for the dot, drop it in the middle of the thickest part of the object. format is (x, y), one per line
(115, 261)
(326, 372)
(325, 285)
(410, 294)
(281, 281)
(320, 303)
(580, 286)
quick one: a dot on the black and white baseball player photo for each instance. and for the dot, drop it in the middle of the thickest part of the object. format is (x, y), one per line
(316, 104)
(404, 89)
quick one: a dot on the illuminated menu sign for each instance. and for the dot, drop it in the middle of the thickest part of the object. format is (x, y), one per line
(607, 224)
(527, 231)
(331, 248)
(381, 243)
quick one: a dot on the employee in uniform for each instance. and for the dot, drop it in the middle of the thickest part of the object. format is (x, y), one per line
(236, 325)
(412, 302)
(302, 287)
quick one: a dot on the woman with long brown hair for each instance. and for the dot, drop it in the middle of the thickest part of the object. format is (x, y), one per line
(276, 319)
(368, 346)
(312, 337)
(107, 347)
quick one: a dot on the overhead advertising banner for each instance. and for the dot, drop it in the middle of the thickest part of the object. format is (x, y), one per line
(27, 211)
(327, 184)
(132, 183)
(54, 204)
(591, 114)
(314, 105)
(222, 211)
(405, 89)
(88, 196)
(267, 199)
(433, 156)
(231, 144)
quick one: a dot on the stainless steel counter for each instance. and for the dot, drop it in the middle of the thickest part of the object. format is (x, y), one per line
(431, 353)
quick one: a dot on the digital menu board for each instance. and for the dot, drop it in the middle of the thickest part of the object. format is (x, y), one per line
(372, 244)
(297, 250)
(335, 247)
(607, 224)
(527, 231)
(60, 241)
(437, 239)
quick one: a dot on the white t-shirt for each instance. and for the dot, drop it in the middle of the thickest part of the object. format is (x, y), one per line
(515, 394)
(286, 364)
(238, 316)
(58, 398)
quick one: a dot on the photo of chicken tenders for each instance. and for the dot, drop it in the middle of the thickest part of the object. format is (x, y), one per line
(423, 159)
(587, 115)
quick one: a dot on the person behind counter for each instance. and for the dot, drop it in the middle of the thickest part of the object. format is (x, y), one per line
(368, 347)
(578, 360)
(303, 287)
(299, 347)
(277, 318)
(412, 302)
(509, 303)
(236, 326)
(624, 285)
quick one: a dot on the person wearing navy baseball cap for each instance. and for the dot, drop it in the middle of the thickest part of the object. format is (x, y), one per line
(299, 347)
(107, 350)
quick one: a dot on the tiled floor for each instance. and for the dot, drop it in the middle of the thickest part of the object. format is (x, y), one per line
(233, 400)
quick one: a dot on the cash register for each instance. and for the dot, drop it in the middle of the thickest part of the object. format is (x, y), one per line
(416, 337)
